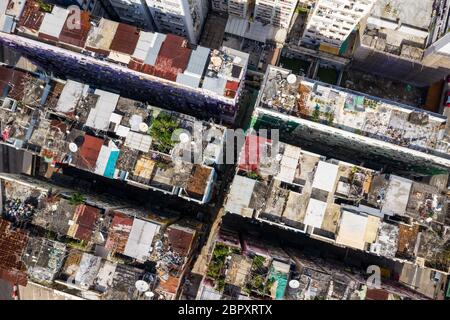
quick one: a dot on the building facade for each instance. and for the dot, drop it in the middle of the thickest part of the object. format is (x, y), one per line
(180, 17)
(332, 21)
(276, 12)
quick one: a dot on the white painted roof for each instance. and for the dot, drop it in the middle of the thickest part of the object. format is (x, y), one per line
(315, 213)
(99, 116)
(70, 96)
(352, 230)
(53, 23)
(138, 141)
(289, 163)
(240, 195)
(397, 195)
(140, 239)
(325, 176)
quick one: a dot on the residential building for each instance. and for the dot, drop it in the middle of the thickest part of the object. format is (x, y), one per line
(238, 8)
(71, 123)
(102, 266)
(181, 17)
(326, 118)
(331, 22)
(276, 12)
(405, 40)
(164, 70)
(133, 12)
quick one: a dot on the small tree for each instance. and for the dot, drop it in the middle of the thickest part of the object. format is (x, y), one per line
(316, 114)
(161, 130)
(76, 199)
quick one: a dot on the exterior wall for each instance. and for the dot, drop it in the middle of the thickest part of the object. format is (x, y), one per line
(219, 6)
(396, 67)
(238, 8)
(133, 12)
(322, 139)
(276, 12)
(180, 17)
(128, 83)
(332, 21)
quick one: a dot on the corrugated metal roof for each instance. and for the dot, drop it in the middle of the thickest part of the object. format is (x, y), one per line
(7, 24)
(12, 245)
(125, 39)
(155, 47)
(99, 117)
(197, 62)
(119, 232)
(216, 85)
(188, 80)
(53, 23)
(141, 239)
(181, 239)
(78, 36)
(85, 218)
(70, 96)
(88, 153)
(240, 195)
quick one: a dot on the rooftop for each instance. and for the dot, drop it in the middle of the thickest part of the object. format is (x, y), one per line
(354, 112)
(400, 27)
(109, 135)
(167, 57)
(334, 201)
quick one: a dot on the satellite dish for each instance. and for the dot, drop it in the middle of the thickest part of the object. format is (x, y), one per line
(184, 137)
(143, 127)
(294, 284)
(291, 79)
(278, 156)
(142, 286)
(149, 294)
(73, 147)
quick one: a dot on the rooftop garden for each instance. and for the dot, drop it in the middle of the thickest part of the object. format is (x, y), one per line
(217, 267)
(161, 131)
(259, 282)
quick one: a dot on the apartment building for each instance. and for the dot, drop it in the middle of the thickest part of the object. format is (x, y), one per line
(134, 12)
(166, 68)
(239, 8)
(405, 40)
(276, 12)
(181, 17)
(332, 21)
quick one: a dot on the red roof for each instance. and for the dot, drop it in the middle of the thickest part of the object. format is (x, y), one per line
(85, 218)
(377, 294)
(89, 151)
(251, 152)
(173, 58)
(32, 16)
(15, 80)
(119, 232)
(78, 36)
(125, 39)
(180, 240)
(12, 245)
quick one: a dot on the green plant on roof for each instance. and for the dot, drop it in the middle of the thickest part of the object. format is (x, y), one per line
(43, 6)
(330, 118)
(316, 114)
(217, 261)
(161, 131)
(258, 262)
(76, 199)
(253, 175)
